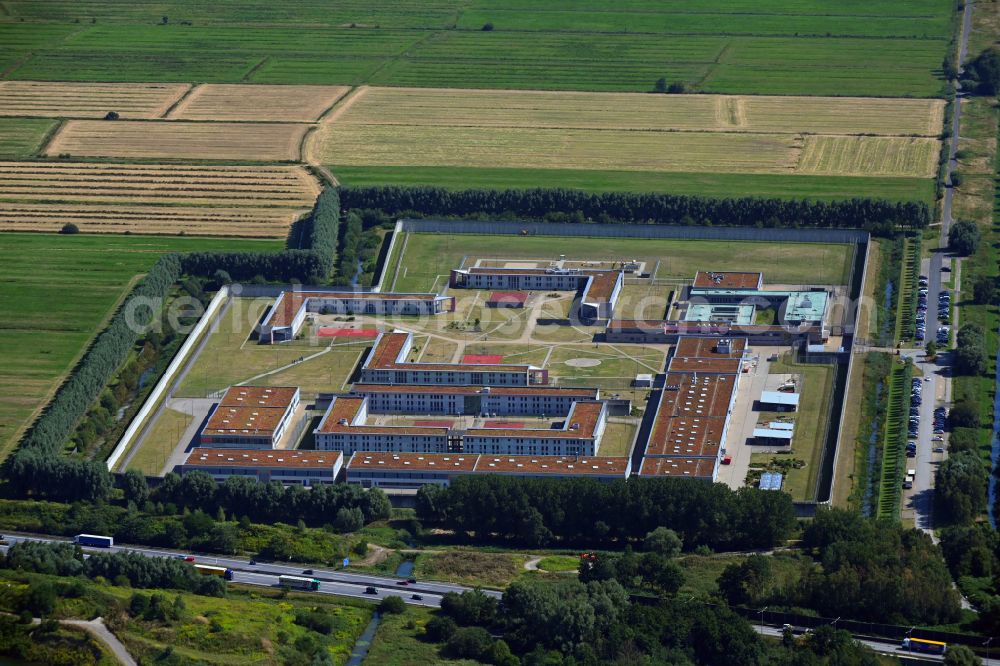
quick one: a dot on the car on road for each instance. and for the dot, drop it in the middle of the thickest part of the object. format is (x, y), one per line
(938, 449)
(189, 558)
(416, 597)
(371, 590)
(402, 582)
(253, 562)
(307, 572)
(937, 438)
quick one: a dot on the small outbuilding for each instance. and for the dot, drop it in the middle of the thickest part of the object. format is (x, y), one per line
(778, 401)
(643, 381)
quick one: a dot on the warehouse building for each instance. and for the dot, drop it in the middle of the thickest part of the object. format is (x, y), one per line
(599, 289)
(307, 468)
(387, 364)
(483, 400)
(250, 417)
(288, 313)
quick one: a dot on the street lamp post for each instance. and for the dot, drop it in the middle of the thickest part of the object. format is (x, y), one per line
(909, 644)
(762, 619)
(987, 644)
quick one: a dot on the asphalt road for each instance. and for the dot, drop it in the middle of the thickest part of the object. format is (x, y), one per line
(937, 390)
(881, 646)
(332, 581)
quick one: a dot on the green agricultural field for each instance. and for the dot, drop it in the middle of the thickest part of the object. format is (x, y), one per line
(23, 137)
(429, 256)
(57, 291)
(773, 46)
(829, 188)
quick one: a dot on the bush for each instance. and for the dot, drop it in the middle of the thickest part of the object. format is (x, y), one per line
(964, 414)
(439, 629)
(469, 643)
(964, 236)
(69, 228)
(392, 605)
(487, 27)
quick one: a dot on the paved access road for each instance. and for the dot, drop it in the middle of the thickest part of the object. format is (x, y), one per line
(332, 581)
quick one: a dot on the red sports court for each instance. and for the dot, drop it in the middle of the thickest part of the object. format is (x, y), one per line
(507, 299)
(326, 332)
(482, 359)
(504, 424)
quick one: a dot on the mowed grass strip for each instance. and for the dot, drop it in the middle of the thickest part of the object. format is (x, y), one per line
(23, 137)
(179, 140)
(704, 184)
(879, 156)
(56, 291)
(451, 107)
(88, 100)
(257, 102)
(203, 200)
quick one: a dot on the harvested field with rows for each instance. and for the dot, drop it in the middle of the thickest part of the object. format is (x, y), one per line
(179, 140)
(451, 107)
(869, 155)
(88, 100)
(257, 102)
(154, 199)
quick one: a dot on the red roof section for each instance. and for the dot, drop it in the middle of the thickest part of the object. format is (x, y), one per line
(268, 458)
(726, 280)
(258, 396)
(682, 467)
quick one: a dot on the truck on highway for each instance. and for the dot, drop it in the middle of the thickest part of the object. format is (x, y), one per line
(94, 540)
(221, 572)
(924, 646)
(298, 582)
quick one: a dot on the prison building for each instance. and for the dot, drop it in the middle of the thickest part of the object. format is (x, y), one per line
(708, 355)
(387, 364)
(670, 331)
(411, 470)
(580, 435)
(287, 314)
(680, 467)
(250, 417)
(598, 289)
(735, 297)
(601, 468)
(474, 400)
(344, 428)
(306, 468)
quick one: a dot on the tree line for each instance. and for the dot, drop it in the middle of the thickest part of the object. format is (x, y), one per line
(596, 622)
(63, 559)
(563, 205)
(38, 467)
(538, 511)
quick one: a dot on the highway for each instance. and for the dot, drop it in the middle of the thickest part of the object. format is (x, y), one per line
(332, 581)
(882, 646)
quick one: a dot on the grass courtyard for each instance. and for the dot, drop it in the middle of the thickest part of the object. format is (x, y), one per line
(427, 258)
(231, 357)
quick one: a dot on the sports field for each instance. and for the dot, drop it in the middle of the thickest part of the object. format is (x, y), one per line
(770, 47)
(259, 201)
(594, 131)
(179, 140)
(56, 292)
(427, 258)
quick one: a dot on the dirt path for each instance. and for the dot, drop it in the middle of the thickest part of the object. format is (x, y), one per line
(532, 564)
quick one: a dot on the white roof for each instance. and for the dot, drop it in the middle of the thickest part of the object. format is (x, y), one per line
(644, 378)
(772, 434)
(778, 425)
(780, 398)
